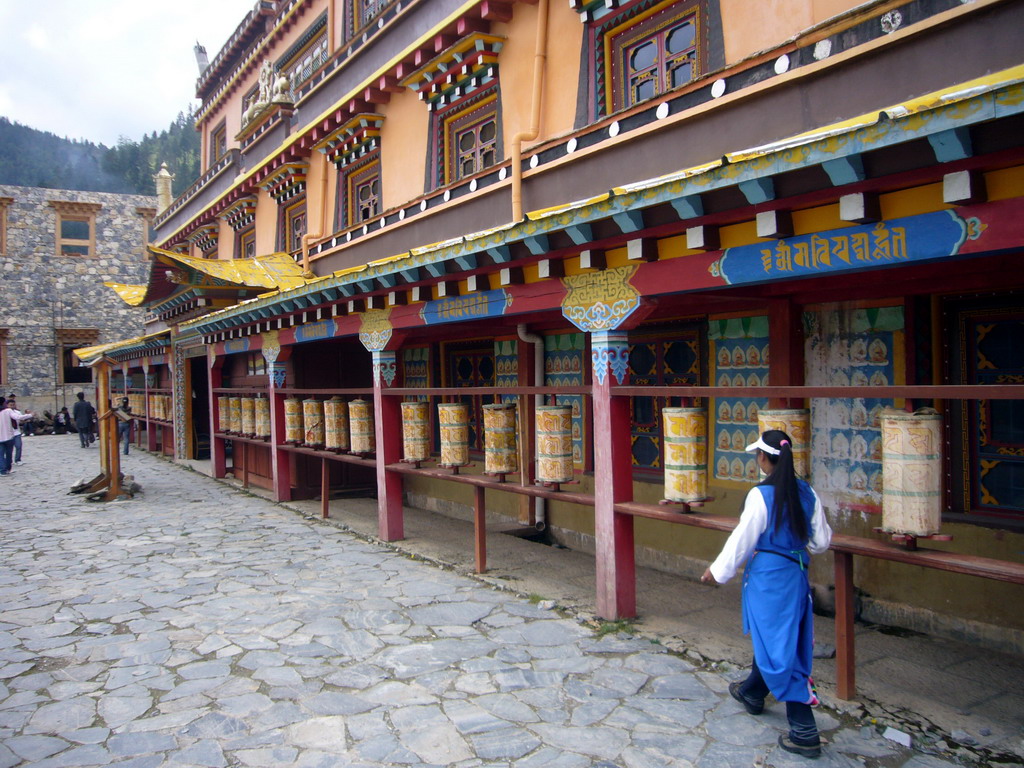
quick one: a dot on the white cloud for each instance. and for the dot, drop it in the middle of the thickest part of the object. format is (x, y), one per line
(107, 68)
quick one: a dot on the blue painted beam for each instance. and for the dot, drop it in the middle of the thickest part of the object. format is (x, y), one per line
(689, 207)
(954, 144)
(388, 281)
(537, 244)
(580, 234)
(347, 289)
(845, 170)
(411, 275)
(467, 261)
(437, 269)
(758, 190)
(365, 285)
(501, 254)
(629, 221)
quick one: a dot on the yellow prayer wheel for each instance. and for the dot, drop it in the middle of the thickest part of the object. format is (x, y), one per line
(360, 419)
(415, 431)
(168, 408)
(554, 443)
(248, 416)
(453, 427)
(912, 472)
(685, 433)
(235, 417)
(223, 413)
(261, 406)
(501, 455)
(336, 424)
(313, 422)
(293, 420)
(795, 422)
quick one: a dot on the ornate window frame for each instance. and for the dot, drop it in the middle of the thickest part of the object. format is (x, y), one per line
(292, 225)
(218, 143)
(451, 124)
(5, 203)
(75, 212)
(307, 56)
(626, 26)
(245, 244)
(351, 180)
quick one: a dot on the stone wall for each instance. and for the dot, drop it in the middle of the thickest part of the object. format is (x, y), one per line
(43, 292)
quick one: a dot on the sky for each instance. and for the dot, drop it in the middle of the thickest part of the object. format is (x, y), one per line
(102, 69)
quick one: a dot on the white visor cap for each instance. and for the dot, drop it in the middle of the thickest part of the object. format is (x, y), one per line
(762, 446)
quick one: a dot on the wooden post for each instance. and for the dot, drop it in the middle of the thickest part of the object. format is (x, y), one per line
(243, 448)
(480, 528)
(280, 460)
(325, 489)
(786, 341)
(388, 436)
(846, 686)
(613, 478)
(218, 459)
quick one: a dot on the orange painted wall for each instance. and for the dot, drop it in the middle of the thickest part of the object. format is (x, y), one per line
(749, 27)
(403, 138)
(267, 215)
(516, 62)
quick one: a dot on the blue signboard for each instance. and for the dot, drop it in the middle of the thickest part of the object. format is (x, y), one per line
(315, 331)
(476, 306)
(896, 241)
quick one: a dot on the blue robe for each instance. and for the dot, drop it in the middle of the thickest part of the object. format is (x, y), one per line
(777, 604)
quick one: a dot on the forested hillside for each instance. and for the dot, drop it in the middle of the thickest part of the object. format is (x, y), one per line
(32, 158)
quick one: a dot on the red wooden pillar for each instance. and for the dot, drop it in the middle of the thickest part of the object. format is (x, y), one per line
(218, 460)
(150, 426)
(388, 436)
(280, 460)
(846, 680)
(786, 342)
(613, 477)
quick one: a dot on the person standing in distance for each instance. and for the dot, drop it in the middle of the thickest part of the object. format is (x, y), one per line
(83, 414)
(6, 439)
(124, 423)
(18, 418)
(781, 525)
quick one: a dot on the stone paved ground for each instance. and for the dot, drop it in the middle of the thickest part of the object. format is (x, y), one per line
(197, 625)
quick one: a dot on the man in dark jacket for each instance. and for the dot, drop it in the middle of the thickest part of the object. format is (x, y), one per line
(83, 415)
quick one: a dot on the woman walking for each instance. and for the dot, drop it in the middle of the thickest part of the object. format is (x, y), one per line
(781, 525)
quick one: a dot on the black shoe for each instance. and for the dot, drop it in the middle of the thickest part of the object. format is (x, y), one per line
(753, 706)
(810, 751)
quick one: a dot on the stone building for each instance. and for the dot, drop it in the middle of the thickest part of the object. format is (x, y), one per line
(57, 248)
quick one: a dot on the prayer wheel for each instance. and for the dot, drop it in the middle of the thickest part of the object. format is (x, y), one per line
(360, 419)
(336, 424)
(223, 413)
(293, 420)
(501, 455)
(248, 416)
(262, 418)
(415, 431)
(795, 422)
(912, 472)
(686, 454)
(313, 422)
(554, 443)
(453, 426)
(235, 417)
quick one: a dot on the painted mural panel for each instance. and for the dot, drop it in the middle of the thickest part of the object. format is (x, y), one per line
(563, 367)
(738, 357)
(857, 347)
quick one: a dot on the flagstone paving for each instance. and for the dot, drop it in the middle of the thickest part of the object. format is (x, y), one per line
(197, 625)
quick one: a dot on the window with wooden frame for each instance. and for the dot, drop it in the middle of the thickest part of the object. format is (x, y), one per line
(468, 137)
(361, 13)
(292, 226)
(987, 436)
(308, 54)
(68, 340)
(246, 244)
(76, 227)
(359, 197)
(668, 357)
(5, 202)
(642, 51)
(471, 364)
(218, 143)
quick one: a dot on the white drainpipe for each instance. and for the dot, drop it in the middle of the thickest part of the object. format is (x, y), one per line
(539, 506)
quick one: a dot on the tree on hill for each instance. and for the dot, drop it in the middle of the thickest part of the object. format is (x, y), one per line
(33, 158)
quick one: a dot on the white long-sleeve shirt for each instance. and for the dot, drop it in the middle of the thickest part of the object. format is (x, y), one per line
(7, 431)
(753, 521)
(19, 417)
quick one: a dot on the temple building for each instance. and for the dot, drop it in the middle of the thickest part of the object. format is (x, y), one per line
(578, 254)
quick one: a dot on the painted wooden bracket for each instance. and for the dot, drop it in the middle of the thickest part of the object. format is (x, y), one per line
(954, 144)
(845, 170)
(758, 190)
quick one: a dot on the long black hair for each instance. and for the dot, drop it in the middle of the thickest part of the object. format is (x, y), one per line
(786, 505)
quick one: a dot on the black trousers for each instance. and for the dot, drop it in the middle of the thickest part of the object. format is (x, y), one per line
(802, 727)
